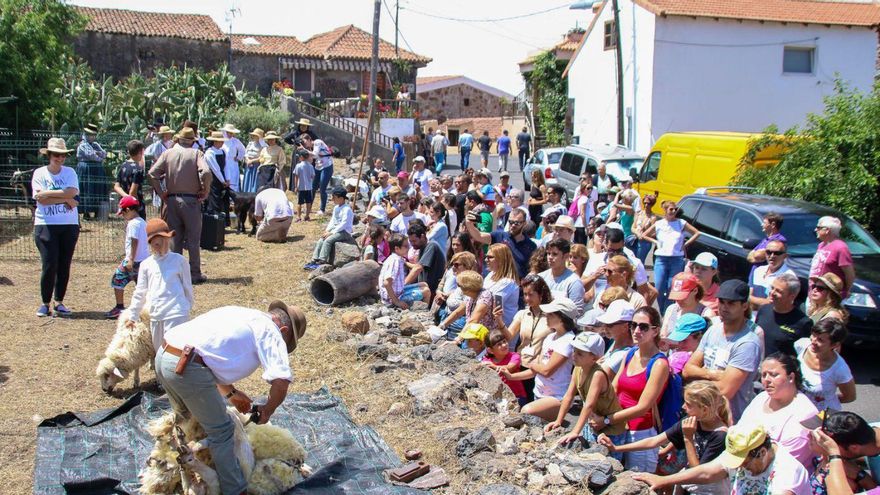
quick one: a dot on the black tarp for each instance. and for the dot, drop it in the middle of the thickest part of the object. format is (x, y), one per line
(102, 452)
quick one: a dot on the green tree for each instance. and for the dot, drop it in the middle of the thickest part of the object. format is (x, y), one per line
(834, 160)
(552, 93)
(34, 45)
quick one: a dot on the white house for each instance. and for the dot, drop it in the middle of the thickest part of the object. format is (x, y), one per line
(723, 65)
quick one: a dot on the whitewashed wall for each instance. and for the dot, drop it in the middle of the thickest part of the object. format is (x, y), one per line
(391, 127)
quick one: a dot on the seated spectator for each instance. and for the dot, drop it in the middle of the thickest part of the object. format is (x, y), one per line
(577, 259)
(521, 247)
(684, 339)
(400, 224)
(705, 267)
(392, 289)
(697, 439)
(273, 213)
(529, 326)
(421, 176)
(762, 277)
(376, 246)
(338, 229)
(827, 380)
(382, 186)
(502, 281)
(824, 298)
(590, 321)
(448, 202)
(751, 461)
(730, 351)
(782, 320)
(552, 371)
(593, 384)
(449, 296)
(475, 337)
(538, 262)
(477, 306)
(853, 437)
(500, 356)
(594, 274)
(432, 260)
(684, 294)
(562, 281)
(615, 324)
(438, 225)
(408, 188)
(781, 407)
(836, 474)
(620, 273)
(461, 241)
(377, 170)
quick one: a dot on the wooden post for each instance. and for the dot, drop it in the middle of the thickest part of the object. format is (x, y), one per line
(374, 68)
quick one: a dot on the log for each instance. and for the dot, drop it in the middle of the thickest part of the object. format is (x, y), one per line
(357, 279)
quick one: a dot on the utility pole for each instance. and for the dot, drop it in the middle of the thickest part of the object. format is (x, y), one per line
(231, 14)
(396, 28)
(374, 70)
(618, 52)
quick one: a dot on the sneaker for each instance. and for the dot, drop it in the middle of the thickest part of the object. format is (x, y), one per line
(113, 313)
(311, 266)
(62, 310)
(44, 311)
(199, 279)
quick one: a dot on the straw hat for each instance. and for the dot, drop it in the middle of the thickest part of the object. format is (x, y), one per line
(163, 130)
(55, 145)
(216, 136)
(272, 135)
(230, 129)
(258, 132)
(297, 319)
(186, 134)
(303, 121)
(90, 129)
(830, 280)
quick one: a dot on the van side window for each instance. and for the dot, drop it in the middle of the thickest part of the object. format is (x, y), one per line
(572, 164)
(592, 167)
(743, 226)
(712, 218)
(652, 167)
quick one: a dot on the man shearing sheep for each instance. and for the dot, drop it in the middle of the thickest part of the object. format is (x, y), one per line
(202, 359)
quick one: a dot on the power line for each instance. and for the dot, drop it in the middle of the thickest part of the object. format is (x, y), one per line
(737, 45)
(460, 19)
(402, 37)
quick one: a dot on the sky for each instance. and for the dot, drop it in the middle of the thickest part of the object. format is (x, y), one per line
(485, 51)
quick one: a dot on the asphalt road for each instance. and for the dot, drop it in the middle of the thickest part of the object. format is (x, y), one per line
(862, 362)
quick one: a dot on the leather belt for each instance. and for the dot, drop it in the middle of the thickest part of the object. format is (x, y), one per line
(174, 351)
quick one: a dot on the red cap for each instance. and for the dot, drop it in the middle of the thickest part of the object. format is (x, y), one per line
(127, 202)
(682, 285)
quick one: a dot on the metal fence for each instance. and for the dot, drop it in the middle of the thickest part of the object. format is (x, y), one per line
(102, 233)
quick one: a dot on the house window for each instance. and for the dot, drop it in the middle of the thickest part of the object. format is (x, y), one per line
(610, 38)
(302, 80)
(798, 60)
(467, 102)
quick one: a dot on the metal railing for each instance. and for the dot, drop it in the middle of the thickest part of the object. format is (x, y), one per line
(356, 107)
(331, 117)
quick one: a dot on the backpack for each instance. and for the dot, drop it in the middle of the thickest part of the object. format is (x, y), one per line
(669, 407)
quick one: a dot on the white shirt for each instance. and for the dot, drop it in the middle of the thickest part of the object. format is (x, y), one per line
(761, 280)
(323, 155)
(586, 202)
(400, 224)
(211, 157)
(235, 341)
(509, 290)
(166, 283)
(234, 149)
(136, 228)
(59, 214)
(821, 386)
(272, 203)
(342, 219)
(556, 384)
(156, 149)
(670, 237)
(379, 193)
(601, 259)
(423, 177)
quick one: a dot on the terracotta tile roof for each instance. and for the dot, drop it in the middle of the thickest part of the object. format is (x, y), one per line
(350, 42)
(803, 11)
(570, 42)
(282, 46)
(430, 79)
(119, 21)
(495, 125)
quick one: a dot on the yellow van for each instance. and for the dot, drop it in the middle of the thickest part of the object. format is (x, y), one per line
(682, 162)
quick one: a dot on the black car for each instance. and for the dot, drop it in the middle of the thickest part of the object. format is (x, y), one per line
(731, 227)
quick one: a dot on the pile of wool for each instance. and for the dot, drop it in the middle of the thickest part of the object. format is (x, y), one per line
(280, 460)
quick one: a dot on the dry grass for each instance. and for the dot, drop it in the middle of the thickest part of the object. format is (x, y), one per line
(47, 366)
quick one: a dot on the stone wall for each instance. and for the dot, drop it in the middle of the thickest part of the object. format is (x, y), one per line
(119, 55)
(257, 72)
(449, 103)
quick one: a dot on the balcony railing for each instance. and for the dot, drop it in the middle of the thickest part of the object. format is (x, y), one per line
(331, 116)
(386, 108)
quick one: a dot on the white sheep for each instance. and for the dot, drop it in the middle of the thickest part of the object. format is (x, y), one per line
(131, 348)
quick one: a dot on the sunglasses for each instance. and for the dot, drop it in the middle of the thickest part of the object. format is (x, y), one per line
(456, 265)
(515, 222)
(490, 257)
(774, 253)
(674, 208)
(643, 327)
(820, 288)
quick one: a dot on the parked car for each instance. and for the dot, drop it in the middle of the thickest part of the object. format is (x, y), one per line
(577, 159)
(547, 161)
(730, 223)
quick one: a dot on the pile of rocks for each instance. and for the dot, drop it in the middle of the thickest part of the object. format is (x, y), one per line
(496, 443)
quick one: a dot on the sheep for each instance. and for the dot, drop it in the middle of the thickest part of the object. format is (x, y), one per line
(131, 348)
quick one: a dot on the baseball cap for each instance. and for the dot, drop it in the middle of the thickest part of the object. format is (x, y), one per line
(340, 191)
(562, 305)
(419, 159)
(127, 202)
(565, 222)
(403, 174)
(614, 225)
(733, 290)
(589, 342)
(741, 439)
(618, 310)
(475, 331)
(504, 174)
(682, 285)
(707, 259)
(687, 324)
(157, 226)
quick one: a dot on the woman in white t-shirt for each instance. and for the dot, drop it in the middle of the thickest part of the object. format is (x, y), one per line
(582, 208)
(56, 224)
(828, 381)
(669, 257)
(552, 370)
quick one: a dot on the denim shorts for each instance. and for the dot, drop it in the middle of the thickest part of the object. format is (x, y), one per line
(411, 293)
(122, 277)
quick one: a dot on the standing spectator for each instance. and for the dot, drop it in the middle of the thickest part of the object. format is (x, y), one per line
(771, 225)
(462, 184)
(485, 189)
(833, 254)
(56, 224)
(449, 296)
(90, 171)
(594, 274)
(645, 218)
(603, 183)
(438, 148)
(523, 144)
(235, 156)
(538, 196)
(730, 351)
(186, 178)
(562, 281)
(577, 259)
(301, 180)
(338, 230)
(448, 202)
(398, 156)
(763, 276)
(136, 250)
(272, 162)
(615, 323)
(163, 144)
(503, 151)
(432, 258)
(408, 188)
(303, 128)
(685, 295)
(555, 194)
(824, 298)
(427, 138)
(671, 245)
(392, 289)
(620, 273)
(502, 280)
(581, 208)
(503, 188)
(478, 213)
(521, 247)
(515, 201)
(323, 158)
(215, 156)
(421, 177)
(465, 145)
(130, 176)
(828, 381)
(705, 267)
(782, 320)
(273, 213)
(252, 160)
(402, 99)
(485, 144)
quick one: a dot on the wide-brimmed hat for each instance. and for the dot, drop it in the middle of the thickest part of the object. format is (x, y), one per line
(562, 305)
(564, 222)
(55, 145)
(830, 280)
(297, 319)
(230, 129)
(186, 134)
(90, 129)
(165, 130)
(258, 132)
(157, 226)
(216, 136)
(271, 135)
(303, 121)
(740, 440)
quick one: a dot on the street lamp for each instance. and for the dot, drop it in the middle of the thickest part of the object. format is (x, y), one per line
(618, 51)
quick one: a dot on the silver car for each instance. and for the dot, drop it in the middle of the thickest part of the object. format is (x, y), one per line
(547, 161)
(584, 159)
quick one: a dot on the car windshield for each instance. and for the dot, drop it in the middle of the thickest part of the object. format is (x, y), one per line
(554, 158)
(620, 169)
(799, 231)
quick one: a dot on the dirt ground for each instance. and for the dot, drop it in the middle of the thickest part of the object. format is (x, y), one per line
(47, 366)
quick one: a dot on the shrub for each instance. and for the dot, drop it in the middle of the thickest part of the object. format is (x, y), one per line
(247, 117)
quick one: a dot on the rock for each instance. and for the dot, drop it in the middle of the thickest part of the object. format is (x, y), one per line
(481, 399)
(433, 392)
(536, 479)
(479, 440)
(554, 480)
(451, 435)
(371, 350)
(344, 253)
(553, 469)
(452, 357)
(321, 270)
(501, 489)
(532, 420)
(509, 446)
(489, 381)
(387, 366)
(625, 485)
(397, 409)
(482, 465)
(419, 306)
(513, 420)
(597, 472)
(412, 454)
(536, 434)
(356, 322)
(383, 321)
(421, 352)
(335, 335)
(361, 407)
(410, 326)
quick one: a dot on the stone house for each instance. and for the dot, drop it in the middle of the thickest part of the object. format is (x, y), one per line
(453, 97)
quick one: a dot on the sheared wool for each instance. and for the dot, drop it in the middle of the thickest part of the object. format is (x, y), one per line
(273, 476)
(273, 442)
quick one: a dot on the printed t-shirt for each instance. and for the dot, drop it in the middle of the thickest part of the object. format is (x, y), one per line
(782, 330)
(742, 351)
(785, 474)
(58, 214)
(831, 257)
(556, 384)
(394, 268)
(131, 173)
(821, 386)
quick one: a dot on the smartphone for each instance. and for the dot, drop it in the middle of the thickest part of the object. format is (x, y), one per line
(497, 299)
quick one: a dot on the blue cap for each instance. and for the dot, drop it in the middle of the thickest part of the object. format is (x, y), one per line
(687, 324)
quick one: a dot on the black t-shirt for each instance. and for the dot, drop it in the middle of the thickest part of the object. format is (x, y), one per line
(434, 262)
(485, 142)
(373, 174)
(523, 140)
(708, 444)
(521, 250)
(131, 173)
(782, 330)
(460, 200)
